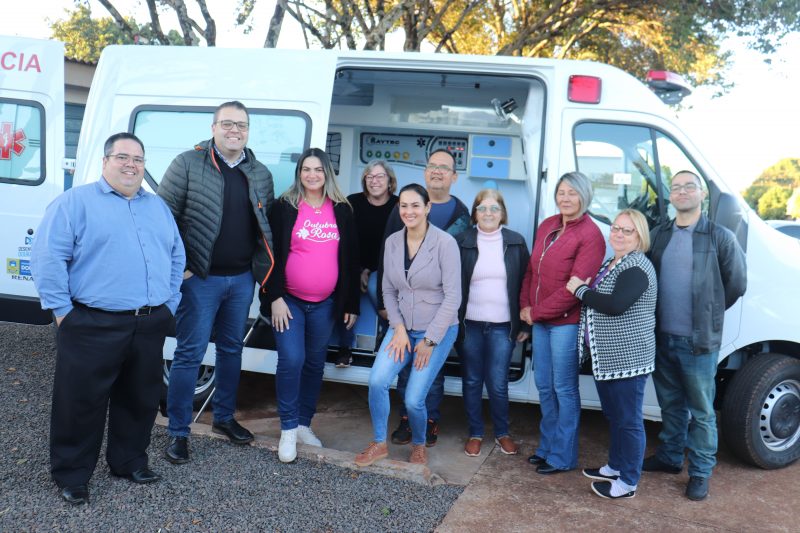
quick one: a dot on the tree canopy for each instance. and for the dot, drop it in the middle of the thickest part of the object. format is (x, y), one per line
(636, 35)
(783, 176)
(85, 37)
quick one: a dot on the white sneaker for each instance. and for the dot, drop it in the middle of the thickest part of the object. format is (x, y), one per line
(306, 436)
(287, 447)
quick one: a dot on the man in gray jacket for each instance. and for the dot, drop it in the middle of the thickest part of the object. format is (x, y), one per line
(701, 272)
(219, 195)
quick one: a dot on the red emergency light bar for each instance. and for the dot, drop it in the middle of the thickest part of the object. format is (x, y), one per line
(670, 87)
(584, 89)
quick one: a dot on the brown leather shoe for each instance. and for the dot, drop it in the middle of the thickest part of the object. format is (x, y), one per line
(507, 445)
(473, 447)
(418, 455)
(374, 452)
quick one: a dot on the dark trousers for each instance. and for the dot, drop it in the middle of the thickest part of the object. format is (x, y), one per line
(622, 401)
(105, 364)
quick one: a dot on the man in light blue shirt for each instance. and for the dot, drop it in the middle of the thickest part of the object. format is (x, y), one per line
(108, 261)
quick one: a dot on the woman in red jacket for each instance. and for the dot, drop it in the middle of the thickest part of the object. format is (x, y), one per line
(567, 244)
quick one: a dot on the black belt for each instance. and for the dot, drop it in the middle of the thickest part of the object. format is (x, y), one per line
(141, 311)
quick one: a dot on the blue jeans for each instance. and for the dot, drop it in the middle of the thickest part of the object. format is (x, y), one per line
(384, 370)
(555, 370)
(685, 388)
(622, 401)
(221, 304)
(485, 355)
(301, 359)
(435, 394)
(346, 336)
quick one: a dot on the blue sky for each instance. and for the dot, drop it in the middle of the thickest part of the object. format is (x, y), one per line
(741, 133)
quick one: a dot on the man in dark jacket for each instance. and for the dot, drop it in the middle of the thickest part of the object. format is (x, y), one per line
(701, 272)
(219, 195)
(447, 213)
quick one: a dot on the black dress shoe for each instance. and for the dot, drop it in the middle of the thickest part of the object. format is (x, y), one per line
(77, 495)
(141, 476)
(547, 469)
(654, 464)
(177, 452)
(536, 460)
(233, 430)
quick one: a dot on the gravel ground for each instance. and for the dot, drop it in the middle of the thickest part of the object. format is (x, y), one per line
(224, 488)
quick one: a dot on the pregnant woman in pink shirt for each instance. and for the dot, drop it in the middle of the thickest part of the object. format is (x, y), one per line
(314, 284)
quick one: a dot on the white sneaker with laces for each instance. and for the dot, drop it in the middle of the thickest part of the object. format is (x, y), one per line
(306, 436)
(287, 447)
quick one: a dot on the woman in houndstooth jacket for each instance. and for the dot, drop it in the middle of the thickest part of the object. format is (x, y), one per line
(617, 330)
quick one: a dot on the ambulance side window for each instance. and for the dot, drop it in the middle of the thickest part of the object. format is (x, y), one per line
(277, 137)
(22, 153)
(630, 166)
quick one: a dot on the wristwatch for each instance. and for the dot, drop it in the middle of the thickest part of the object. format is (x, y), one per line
(428, 342)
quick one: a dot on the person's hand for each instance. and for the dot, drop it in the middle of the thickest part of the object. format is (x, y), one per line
(280, 315)
(350, 320)
(525, 315)
(383, 314)
(522, 336)
(187, 274)
(399, 345)
(364, 279)
(59, 319)
(423, 355)
(575, 282)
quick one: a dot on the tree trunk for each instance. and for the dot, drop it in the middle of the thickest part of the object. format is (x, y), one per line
(275, 24)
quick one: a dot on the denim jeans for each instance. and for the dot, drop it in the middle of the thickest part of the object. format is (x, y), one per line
(555, 370)
(685, 388)
(346, 336)
(221, 304)
(485, 355)
(302, 348)
(384, 370)
(435, 394)
(622, 401)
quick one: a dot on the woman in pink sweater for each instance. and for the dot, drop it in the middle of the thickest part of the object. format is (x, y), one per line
(493, 261)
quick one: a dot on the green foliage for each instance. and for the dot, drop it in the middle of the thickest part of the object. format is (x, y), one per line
(793, 205)
(785, 174)
(85, 37)
(772, 204)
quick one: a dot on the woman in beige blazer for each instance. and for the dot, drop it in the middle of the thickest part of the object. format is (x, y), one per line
(422, 294)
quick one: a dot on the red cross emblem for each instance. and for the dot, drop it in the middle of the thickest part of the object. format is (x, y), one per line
(10, 141)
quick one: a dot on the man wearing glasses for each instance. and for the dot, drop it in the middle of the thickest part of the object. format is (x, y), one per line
(701, 272)
(219, 194)
(451, 215)
(108, 260)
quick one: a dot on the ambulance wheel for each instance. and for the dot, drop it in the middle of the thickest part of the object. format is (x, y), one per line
(761, 411)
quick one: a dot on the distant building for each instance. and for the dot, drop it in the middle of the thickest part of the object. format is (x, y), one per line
(77, 80)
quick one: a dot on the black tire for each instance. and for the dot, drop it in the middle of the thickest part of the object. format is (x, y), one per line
(202, 389)
(761, 411)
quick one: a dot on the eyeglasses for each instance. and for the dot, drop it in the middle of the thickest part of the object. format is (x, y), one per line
(625, 231)
(444, 169)
(375, 177)
(229, 124)
(491, 209)
(689, 187)
(126, 158)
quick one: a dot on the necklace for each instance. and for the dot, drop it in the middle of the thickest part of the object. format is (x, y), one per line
(317, 208)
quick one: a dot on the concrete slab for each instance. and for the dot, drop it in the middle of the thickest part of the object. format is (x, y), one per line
(504, 492)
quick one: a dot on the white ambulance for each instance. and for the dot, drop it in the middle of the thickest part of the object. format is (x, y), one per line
(518, 123)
